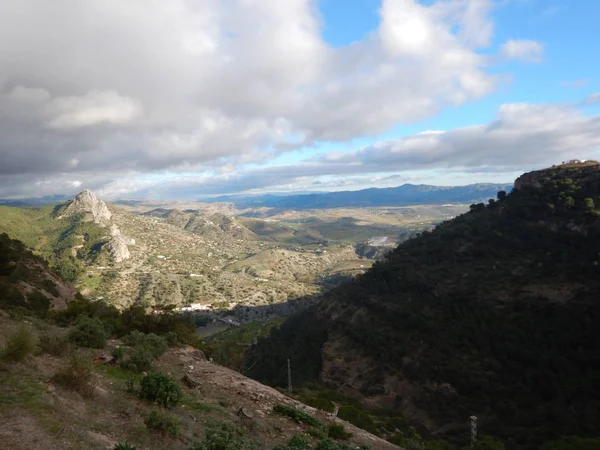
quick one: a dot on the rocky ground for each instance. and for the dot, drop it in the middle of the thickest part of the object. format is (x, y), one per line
(37, 413)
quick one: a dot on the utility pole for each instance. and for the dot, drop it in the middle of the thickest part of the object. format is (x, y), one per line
(289, 367)
(473, 431)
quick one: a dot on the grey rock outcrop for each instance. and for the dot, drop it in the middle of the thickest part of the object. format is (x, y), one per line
(117, 248)
(90, 206)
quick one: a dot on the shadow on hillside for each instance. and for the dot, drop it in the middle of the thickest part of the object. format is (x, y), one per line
(243, 314)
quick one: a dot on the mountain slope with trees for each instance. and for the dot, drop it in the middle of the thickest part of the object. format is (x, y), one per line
(493, 314)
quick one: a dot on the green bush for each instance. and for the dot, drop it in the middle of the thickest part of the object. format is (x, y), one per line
(157, 345)
(54, 344)
(140, 360)
(171, 338)
(19, 344)
(89, 332)
(357, 418)
(117, 353)
(158, 387)
(162, 422)
(125, 446)
(337, 431)
(297, 415)
(223, 436)
(77, 376)
(297, 442)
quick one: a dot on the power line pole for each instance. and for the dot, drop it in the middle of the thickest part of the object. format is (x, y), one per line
(289, 367)
(473, 431)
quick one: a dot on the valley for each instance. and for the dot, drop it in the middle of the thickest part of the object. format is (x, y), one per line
(212, 258)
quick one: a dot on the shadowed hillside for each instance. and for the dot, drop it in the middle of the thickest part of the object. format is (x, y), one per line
(493, 313)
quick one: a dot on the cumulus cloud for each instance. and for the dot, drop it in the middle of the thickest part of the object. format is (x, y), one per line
(529, 51)
(521, 137)
(106, 91)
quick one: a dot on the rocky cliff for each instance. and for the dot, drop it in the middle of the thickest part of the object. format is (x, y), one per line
(89, 206)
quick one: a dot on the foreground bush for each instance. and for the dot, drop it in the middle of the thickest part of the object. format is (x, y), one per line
(89, 332)
(224, 436)
(54, 344)
(124, 447)
(77, 376)
(139, 360)
(156, 345)
(19, 344)
(163, 422)
(337, 431)
(158, 387)
(297, 415)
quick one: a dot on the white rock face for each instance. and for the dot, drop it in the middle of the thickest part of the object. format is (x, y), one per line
(117, 248)
(94, 209)
(87, 203)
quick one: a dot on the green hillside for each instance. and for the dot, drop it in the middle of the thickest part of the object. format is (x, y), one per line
(493, 314)
(54, 239)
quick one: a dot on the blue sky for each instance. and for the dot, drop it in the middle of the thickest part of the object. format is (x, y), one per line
(568, 30)
(194, 99)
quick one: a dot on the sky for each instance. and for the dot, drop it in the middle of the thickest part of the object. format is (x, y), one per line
(188, 99)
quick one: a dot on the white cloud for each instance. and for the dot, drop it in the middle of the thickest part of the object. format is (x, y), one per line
(93, 108)
(530, 51)
(99, 91)
(592, 99)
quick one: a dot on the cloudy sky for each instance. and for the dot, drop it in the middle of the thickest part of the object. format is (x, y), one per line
(188, 98)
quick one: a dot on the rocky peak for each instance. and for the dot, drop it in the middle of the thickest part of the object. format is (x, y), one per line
(88, 204)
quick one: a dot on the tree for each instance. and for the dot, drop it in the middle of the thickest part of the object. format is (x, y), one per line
(501, 195)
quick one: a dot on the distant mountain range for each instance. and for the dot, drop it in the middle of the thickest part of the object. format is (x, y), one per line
(407, 194)
(35, 201)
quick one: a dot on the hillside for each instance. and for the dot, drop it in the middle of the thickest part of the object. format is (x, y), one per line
(27, 282)
(407, 194)
(76, 374)
(492, 314)
(157, 254)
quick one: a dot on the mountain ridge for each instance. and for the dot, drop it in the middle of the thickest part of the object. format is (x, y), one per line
(404, 195)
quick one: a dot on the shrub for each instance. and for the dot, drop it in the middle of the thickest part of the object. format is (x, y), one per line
(78, 375)
(118, 353)
(297, 442)
(171, 338)
(139, 361)
(337, 431)
(357, 418)
(125, 446)
(89, 332)
(19, 344)
(155, 344)
(54, 344)
(223, 436)
(297, 415)
(163, 422)
(160, 388)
